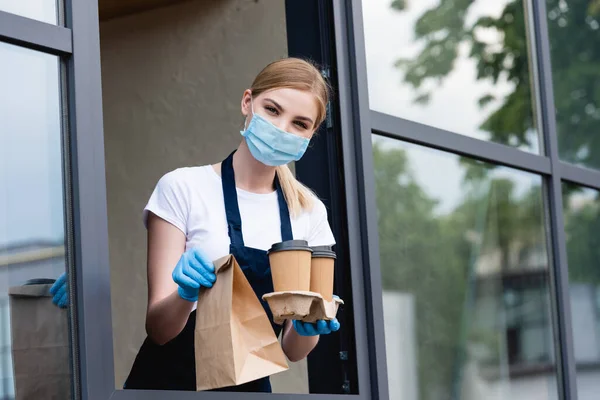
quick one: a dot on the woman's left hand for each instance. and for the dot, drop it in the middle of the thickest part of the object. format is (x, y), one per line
(321, 327)
(59, 291)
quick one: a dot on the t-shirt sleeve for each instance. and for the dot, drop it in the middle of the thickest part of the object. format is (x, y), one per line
(320, 231)
(169, 201)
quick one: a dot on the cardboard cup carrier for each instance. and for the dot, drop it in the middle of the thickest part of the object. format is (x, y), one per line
(302, 282)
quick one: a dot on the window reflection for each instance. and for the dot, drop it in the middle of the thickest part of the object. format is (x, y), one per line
(465, 272)
(459, 66)
(34, 339)
(41, 10)
(582, 224)
(574, 29)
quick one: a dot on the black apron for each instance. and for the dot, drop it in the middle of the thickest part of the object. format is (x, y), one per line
(172, 366)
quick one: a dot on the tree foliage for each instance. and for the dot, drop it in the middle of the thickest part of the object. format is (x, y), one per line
(574, 30)
(431, 254)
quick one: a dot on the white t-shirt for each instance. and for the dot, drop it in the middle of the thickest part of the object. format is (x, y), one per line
(192, 200)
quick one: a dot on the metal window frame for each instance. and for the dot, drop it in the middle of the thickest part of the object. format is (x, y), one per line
(35, 35)
(78, 43)
(414, 132)
(361, 122)
(559, 273)
(94, 350)
(579, 175)
(91, 275)
(359, 181)
(54, 40)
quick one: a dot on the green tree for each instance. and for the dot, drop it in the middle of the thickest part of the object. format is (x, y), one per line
(417, 257)
(582, 225)
(575, 45)
(432, 256)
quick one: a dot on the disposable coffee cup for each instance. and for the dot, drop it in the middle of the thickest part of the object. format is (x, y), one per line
(321, 274)
(290, 265)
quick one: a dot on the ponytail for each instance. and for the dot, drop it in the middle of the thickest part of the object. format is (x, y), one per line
(297, 196)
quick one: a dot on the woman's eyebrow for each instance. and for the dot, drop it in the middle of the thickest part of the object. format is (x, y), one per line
(278, 106)
(301, 118)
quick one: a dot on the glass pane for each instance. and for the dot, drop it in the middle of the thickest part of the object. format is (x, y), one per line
(41, 10)
(459, 66)
(160, 103)
(34, 338)
(582, 228)
(465, 273)
(574, 42)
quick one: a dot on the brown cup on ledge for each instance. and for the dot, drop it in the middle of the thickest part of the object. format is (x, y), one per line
(290, 265)
(321, 274)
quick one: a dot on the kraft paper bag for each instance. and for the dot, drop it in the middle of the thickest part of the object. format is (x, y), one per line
(40, 344)
(234, 340)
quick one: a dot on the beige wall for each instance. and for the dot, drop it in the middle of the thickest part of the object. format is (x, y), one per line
(172, 83)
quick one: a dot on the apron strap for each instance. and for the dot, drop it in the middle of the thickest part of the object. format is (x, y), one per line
(232, 209)
(284, 214)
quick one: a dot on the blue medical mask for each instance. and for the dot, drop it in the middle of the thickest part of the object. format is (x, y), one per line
(270, 145)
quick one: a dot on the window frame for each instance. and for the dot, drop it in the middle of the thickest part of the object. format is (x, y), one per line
(78, 46)
(359, 182)
(548, 165)
(90, 228)
(55, 40)
(35, 35)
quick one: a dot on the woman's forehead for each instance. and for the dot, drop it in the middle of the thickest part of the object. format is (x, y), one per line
(294, 99)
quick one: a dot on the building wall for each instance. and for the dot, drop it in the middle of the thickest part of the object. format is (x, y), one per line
(402, 356)
(585, 322)
(172, 84)
(400, 344)
(541, 387)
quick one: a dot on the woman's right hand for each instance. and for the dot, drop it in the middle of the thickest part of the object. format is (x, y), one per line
(193, 271)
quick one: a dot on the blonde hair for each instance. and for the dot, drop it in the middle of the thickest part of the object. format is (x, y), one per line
(294, 73)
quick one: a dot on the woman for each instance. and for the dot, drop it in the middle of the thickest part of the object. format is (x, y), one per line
(241, 207)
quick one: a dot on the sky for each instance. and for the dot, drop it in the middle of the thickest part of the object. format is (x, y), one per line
(42, 10)
(389, 35)
(31, 198)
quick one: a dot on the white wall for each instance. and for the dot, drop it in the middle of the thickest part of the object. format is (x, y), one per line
(402, 359)
(543, 387)
(401, 345)
(588, 385)
(528, 388)
(172, 84)
(585, 323)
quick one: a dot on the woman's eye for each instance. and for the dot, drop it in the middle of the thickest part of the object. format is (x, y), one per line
(272, 110)
(301, 124)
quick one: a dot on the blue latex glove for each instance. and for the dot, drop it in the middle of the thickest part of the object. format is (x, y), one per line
(59, 291)
(321, 327)
(193, 271)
